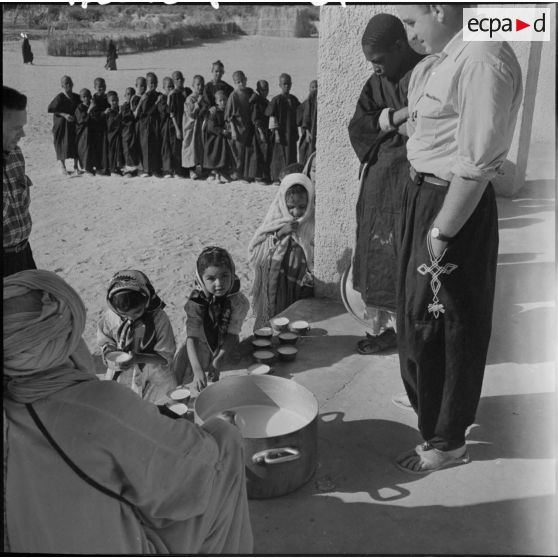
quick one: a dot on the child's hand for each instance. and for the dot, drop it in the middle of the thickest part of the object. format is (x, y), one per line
(178, 134)
(128, 363)
(107, 111)
(200, 379)
(212, 110)
(287, 229)
(69, 117)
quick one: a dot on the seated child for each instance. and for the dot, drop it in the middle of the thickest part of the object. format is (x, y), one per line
(135, 322)
(282, 250)
(215, 312)
(217, 156)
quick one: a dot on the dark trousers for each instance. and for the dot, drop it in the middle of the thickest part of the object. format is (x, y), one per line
(17, 261)
(444, 314)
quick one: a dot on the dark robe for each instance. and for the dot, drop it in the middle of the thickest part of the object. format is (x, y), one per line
(211, 88)
(129, 136)
(112, 55)
(217, 152)
(99, 131)
(134, 102)
(64, 132)
(263, 138)
(26, 51)
(88, 152)
(149, 121)
(283, 108)
(114, 137)
(385, 172)
(238, 114)
(167, 131)
(307, 118)
(176, 101)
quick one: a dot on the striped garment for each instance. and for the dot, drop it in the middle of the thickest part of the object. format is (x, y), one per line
(15, 213)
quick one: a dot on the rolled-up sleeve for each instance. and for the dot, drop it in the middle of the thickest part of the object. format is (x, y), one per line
(485, 128)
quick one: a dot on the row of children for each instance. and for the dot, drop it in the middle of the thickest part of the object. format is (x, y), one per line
(281, 254)
(212, 130)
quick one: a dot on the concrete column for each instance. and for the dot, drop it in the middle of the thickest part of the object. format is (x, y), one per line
(343, 71)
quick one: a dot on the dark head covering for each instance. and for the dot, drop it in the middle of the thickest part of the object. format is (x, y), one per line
(382, 31)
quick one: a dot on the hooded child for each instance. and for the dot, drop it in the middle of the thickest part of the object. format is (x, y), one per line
(63, 108)
(282, 250)
(135, 322)
(215, 312)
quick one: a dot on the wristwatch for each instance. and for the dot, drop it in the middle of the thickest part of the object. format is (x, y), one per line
(435, 233)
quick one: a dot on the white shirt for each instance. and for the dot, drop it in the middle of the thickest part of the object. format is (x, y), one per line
(463, 105)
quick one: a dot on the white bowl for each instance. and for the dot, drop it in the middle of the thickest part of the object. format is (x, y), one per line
(280, 324)
(178, 408)
(300, 327)
(118, 357)
(179, 394)
(259, 369)
(263, 333)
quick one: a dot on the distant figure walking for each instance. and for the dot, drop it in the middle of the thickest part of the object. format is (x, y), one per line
(112, 55)
(26, 50)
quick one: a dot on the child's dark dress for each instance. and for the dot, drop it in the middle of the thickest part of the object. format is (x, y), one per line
(129, 136)
(217, 154)
(114, 138)
(64, 132)
(150, 133)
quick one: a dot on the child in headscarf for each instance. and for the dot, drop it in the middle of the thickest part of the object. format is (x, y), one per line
(135, 322)
(282, 250)
(214, 315)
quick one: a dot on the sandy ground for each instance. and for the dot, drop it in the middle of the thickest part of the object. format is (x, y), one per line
(86, 229)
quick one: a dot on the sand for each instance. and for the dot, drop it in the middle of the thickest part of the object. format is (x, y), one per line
(87, 228)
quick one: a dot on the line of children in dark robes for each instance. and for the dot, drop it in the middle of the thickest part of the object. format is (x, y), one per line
(135, 322)
(213, 131)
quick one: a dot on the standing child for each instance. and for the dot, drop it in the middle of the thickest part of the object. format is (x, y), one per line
(282, 122)
(176, 101)
(167, 130)
(148, 117)
(88, 152)
(135, 322)
(282, 250)
(195, 109)
(262, 136)
(215, 312)
(216, 84)
(238, 116)
(129, 137)
(217, 155)
(114, 135)
(306, 119)
(63, 107)
(98, 113)
(141, 87)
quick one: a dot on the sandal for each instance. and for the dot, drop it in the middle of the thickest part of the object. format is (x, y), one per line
(425, 459)
(377, 343)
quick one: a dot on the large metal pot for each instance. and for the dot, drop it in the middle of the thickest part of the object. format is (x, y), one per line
(278, 420)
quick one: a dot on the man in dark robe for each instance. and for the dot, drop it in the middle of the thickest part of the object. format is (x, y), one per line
(377, 136)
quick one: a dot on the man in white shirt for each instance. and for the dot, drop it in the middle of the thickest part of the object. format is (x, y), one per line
(463, 104)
